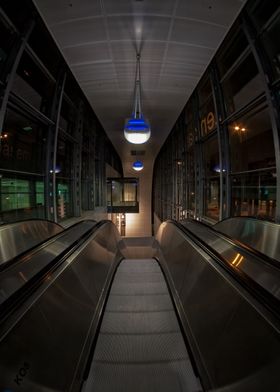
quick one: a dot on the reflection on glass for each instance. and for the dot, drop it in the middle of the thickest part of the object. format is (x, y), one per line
(212, 198)
(262, 11)
(63, 199)
(254, 194)
(32, 85)
(251, 141)
(64, 157)
(190, 181)
(21, 198)
(22, 145)
(242, 85)
(272, 46)
(237, 260)
(234, 47)
(211, 157)
(212, 179)
(208, 121)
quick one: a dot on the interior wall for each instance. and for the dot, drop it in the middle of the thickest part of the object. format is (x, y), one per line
(140, 225)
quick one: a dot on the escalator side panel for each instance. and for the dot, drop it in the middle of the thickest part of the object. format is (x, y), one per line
(51, 336)
(232, 337)
(16, 238)
(259, 234)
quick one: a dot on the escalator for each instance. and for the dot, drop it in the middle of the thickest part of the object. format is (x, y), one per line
(171, 316)
(256, 233)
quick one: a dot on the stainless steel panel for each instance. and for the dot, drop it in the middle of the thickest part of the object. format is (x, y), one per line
(237, 344)
(261, 235)
(16, 276)
(16, 238)
(46, 349)
(265, 274)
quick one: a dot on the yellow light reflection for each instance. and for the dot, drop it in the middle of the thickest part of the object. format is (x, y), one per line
(237, 260)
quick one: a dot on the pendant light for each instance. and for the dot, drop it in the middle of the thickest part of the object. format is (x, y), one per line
(137, 166)
(137, 129)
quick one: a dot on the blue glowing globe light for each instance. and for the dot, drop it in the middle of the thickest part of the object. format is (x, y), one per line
(137, 165)
(137, 130)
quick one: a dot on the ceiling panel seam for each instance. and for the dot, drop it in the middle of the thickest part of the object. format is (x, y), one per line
(167, 40)
(104, 14)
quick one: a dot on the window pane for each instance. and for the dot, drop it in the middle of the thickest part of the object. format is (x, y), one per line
(19, 12)
(22, 144)
(204, 90)
(251, 141)
(64, 157)
(44, 47)
(64, 199)
(242, 86)
(21, 198)
(208, 122)
(230, 51)
(32, 85)
(272, 45)
(254, 194)
(67, 117)
(190, 180)
(211, 157)
(211, 198)
(7, 39)
(211, 185)
(262, 11)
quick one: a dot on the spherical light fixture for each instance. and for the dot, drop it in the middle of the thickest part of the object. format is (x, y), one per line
(137, 129)
(137, 166)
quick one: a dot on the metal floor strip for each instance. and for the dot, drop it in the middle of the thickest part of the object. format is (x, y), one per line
(140, 346)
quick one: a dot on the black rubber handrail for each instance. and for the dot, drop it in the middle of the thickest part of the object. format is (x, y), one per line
(237, 243)
(40, 245)
(17, 298)
(263, 297)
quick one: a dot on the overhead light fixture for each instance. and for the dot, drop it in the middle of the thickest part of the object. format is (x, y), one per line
(137, 166)
(137, 128)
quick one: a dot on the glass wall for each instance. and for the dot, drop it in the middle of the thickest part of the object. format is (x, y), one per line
(231, 128)
(47, 149)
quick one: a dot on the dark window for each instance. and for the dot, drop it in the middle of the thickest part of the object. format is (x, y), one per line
(64, 157)
(19, 12)
(67, 117)
(251, 141)
(208, 122)
(44, 47)
(211, 178)
(242, 86)
(231, 50)
(211, 157)
(207, 116)
(32, 85)
(262, 11)
(23, 144)
(204, 90)
(7, 39)
(21, 197)
(191, 180)
(271, 43)
(254, 194)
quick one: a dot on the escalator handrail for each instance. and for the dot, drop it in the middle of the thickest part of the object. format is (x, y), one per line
(263, 297)
(35, 248)
(241, 245)
(17, 298)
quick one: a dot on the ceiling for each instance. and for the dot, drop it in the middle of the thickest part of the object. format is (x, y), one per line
(176, 39)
